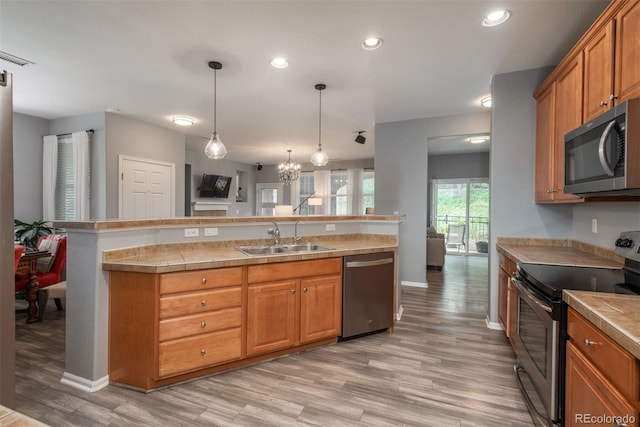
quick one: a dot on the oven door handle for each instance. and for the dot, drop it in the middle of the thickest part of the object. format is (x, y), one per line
(518, 284)
(527, 400)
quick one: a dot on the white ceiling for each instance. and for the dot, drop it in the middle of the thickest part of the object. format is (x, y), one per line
(148, 60)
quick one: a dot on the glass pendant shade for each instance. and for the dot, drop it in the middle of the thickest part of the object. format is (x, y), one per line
(319, 158)
(215, 149)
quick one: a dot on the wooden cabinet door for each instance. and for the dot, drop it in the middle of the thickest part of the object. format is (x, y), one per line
(512, 311)
(627, 72)
(598, 72)
(503, 278)
(568, 111)
(588, 394)
(545, 135)
(320, 308)
(271, 316)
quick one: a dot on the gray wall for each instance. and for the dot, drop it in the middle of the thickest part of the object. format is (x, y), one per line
(27, 166)
(97, 146)
(402, 179)
(454, 166)
(613, 217)
(202, 164)
(134, 138)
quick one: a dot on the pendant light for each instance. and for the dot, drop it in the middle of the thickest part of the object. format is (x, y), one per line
(215, 149)
(288, 171)
(320, 158)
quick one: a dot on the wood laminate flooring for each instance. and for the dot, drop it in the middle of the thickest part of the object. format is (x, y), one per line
(440, 367)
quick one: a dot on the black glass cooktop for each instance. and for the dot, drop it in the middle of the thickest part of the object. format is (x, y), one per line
(550, 280)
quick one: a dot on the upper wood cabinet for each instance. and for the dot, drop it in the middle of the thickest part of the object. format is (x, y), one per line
(601, 70)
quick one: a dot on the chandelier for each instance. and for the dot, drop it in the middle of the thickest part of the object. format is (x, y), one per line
(288, 171)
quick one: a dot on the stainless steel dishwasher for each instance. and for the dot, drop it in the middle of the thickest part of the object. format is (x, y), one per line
(367, 293)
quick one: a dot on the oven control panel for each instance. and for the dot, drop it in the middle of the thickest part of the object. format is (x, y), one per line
(628, 245)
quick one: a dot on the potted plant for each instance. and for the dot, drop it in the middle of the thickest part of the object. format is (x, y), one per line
(29, 233)
(482, 246)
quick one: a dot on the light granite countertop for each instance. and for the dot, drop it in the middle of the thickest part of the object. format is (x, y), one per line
(201, 255)
(618, 316)
(558, 252)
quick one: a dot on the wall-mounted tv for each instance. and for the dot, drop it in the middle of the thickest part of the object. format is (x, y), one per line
(214, 186)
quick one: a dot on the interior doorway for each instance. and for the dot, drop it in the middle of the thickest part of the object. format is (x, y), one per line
(267, 197)
(460, 211)
(146, 188)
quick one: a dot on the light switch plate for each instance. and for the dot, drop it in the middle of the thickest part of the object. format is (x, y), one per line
(191, 232)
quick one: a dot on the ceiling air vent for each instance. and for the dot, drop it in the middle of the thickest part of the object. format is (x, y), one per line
(4, 56)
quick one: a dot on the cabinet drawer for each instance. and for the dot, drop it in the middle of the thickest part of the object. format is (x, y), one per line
(295, 269)
(210, 321)
(506, 264)
(200, 280)
(199, 302)
(197, 352)
(618, 365)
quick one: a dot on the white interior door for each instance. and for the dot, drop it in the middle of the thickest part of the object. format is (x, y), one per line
(267, 197)
(146, 188)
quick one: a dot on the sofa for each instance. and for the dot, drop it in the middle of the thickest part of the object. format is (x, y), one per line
(436, 249)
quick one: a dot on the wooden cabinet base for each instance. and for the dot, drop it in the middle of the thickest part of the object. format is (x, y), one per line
(152, 384)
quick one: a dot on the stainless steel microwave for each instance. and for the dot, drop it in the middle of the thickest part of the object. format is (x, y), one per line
(602, 157)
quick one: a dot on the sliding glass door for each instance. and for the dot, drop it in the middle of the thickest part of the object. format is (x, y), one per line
(460, 211)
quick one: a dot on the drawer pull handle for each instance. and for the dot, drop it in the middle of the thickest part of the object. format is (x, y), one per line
(304, 289)
(589, 343)
(203, 303)
(204, 280)
(293, 291)
(203, 324)
(203, 352)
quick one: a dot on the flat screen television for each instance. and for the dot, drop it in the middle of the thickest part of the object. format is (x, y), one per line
(215, 186)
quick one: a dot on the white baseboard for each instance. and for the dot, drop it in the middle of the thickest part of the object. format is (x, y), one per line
(399, 313)
(414, 284)
(493, 325)
(83, 383)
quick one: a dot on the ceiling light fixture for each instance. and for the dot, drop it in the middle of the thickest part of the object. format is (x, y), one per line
(478, 139)
(360, 139)
(320, 158)
(215, 149)
(288, 171)
(183, 121)
(496, 17)
(486, 102)
(372, 43)
(279, 63)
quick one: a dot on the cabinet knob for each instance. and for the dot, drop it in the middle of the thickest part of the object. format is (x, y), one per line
(620, 424)
(204, 280)
(613, 96)
(304, 290)
(203, 303)
(293, 291)
(603, 103)
(203, 352)
(203, 324)
(589, 343)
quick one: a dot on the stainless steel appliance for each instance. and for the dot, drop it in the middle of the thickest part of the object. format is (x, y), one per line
(541, 329)
(601, 156)
(367, 293)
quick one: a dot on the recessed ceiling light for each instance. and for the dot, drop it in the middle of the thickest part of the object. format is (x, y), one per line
(371, 43)
(279, 63)
(478, 139)
(496, 17)
(183, 121)
(486, 102)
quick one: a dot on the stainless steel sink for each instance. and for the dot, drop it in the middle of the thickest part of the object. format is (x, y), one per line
(281, 249)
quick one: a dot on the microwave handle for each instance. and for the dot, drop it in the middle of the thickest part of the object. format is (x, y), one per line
(601, 153)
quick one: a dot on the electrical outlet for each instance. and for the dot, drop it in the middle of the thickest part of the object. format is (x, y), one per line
(594, 225)
(330, 227)
(211, 231)
(191, 232)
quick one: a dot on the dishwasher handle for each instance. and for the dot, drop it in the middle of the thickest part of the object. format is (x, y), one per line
(352, 264)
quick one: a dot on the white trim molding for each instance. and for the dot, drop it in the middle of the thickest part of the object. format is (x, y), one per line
(414, 284)
(496, 326)
(83, 383)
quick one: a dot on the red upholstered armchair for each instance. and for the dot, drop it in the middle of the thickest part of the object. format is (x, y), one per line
(17, 252)
(54, 275)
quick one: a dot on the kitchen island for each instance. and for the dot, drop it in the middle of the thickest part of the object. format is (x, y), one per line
(161, 246)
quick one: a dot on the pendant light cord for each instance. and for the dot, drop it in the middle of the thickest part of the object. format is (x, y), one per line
(320, 123)
(215, 100)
